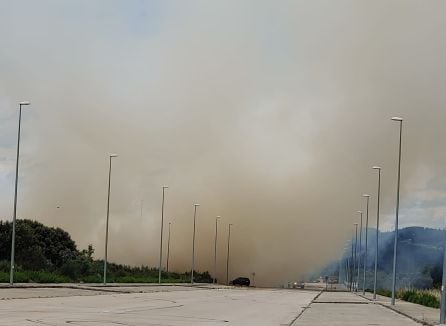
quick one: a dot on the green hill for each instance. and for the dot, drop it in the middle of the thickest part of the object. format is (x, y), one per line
(47, 254)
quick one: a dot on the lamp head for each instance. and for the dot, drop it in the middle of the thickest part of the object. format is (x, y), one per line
(165, 187)
(114, 155)
(25, 103)
(366, 195)
(376, 167)
(218, 217)
(196, 205)
(397, 119)
(360, 212)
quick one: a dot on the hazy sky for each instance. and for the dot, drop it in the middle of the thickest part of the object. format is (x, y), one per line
(269, 113)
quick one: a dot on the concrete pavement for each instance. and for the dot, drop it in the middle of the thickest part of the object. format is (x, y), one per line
(347, 309)
(187, 305)
(182, 306)
(422, 314)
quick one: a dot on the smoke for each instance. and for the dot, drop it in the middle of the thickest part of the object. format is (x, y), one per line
(268, 114)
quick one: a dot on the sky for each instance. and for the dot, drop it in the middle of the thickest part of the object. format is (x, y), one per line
(268, 113)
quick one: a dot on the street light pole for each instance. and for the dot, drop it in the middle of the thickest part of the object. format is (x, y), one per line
(108, 214)
(342, 279)
(377, 231)
(193, 244)
(365, 254)
(359, 251)
(168, 250)
(352, 266)
(14, 217)
(395, 247)
(227, 256)
(356, 246)
(161, 235)
(215, 249)
(443, 283)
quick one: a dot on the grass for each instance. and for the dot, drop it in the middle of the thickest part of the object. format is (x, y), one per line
(51, 277)
(428, 298)
(423, 297)
(384, 292)
(34, 277)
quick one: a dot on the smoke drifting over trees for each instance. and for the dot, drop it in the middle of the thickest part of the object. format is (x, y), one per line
(268, 114)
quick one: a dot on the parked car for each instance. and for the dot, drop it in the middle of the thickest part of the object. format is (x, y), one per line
(241, 281)
(298, 285)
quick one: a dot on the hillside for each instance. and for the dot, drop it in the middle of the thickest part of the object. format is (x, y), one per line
(420, 258)
(48, 254)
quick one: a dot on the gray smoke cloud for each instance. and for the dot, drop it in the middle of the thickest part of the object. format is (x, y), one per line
(267, 113)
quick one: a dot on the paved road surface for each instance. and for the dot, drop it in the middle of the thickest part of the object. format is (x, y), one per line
(347, 309)
(174, 307)
(187, 306)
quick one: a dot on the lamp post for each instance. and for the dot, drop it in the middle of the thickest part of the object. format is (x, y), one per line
(443, 283)
(359, 250)
(108, 214)
(352, 265)
(342, 278)
(215, 249)
(356, 246)
(365, 251)
(14, 217)
(378, 168)
(227, 257)
(161, 235)
(193, 244)
(395, 247)
(168, 250)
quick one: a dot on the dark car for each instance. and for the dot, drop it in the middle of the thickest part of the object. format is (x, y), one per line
(241, 281)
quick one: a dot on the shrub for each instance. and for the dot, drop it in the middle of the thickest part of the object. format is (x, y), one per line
(422, 297)
(384, 292)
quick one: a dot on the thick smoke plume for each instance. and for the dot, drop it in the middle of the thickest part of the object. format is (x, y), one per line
(270, 114)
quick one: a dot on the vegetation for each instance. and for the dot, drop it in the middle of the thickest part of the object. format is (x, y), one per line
(424, 297)
(428, 298)
(383, 292)
(49, 255)
(420, 259)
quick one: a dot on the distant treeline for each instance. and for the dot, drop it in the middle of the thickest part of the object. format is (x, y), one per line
(49, 255)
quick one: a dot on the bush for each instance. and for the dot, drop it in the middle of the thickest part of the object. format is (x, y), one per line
(384, 292)
(49, 255)
(421, 297)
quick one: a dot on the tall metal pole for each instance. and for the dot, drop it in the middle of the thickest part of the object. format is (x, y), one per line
(356, 248)
(377, 232)
(343, 270)
(161, 235)
(365, 253)
(395, 247)
(227, 256)
(14, 217)
(359, 252)
(215, 249)
(347, 271)
(443, 283)
(168, 250)
(352, 266)
(108, 214)
(193, 245)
